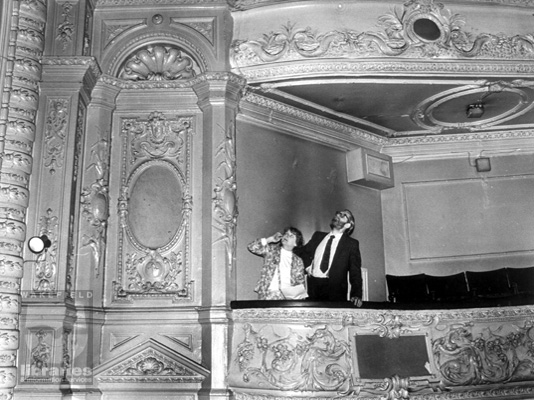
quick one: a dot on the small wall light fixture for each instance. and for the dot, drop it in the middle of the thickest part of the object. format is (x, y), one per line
(38, 244)
(483, 164)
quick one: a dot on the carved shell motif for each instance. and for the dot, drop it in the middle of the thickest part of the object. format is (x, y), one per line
(158, 63)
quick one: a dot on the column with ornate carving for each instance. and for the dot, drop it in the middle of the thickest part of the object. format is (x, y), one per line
(86, 271)
(46, 353)
(17, 129)
(94, 195)
(218, 97)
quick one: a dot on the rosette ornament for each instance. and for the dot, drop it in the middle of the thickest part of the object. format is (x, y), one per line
(158, 63)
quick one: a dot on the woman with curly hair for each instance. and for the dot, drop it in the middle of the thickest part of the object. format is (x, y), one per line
(282, 274)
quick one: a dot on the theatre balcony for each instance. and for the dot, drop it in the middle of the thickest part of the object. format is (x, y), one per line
(310, 350)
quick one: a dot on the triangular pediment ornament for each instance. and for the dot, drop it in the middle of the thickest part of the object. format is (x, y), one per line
(185, 341)
(118, 339)
(150, 362)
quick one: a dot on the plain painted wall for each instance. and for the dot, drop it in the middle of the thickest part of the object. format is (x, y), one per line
(443, 217)
(284, 180)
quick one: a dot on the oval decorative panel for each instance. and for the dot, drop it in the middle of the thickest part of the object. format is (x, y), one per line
(155, 206)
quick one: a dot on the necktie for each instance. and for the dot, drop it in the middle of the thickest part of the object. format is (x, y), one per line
(326, 255)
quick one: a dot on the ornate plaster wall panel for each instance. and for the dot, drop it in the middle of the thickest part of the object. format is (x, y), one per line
(40, 358)
(154, 208)
(45, 272)
(112, 29)
(205, 26)
(200, 33)
(56, 128)
(62, 125)
(65, 27)
(95, 202)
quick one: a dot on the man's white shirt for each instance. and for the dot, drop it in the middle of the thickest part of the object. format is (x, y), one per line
(315, 268)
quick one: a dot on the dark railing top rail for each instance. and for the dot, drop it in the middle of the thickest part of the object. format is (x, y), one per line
(379, 305)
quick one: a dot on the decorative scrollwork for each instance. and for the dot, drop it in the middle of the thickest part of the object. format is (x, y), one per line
(390, 325)
(394, 388)
(55, 133)
(158, 63)
(94, 201)
(398, 37)
(153, 273)
(225, 199)
(493, 356)
(157, 137)
(46, 269)
(65, 30)
(319, 361)
(40, 354)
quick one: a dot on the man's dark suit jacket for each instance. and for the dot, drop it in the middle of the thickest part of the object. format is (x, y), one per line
(347, 259)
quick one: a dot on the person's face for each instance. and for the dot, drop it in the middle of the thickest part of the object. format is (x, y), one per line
(339, 221)
(289, 240)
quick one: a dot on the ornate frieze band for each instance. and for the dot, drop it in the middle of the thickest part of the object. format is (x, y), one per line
(385, 68)
(400, 37)
(180, 84)
(462, 138)
(242, 5)
(345, 318)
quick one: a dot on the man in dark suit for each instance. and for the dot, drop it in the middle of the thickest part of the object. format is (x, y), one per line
(329, 258)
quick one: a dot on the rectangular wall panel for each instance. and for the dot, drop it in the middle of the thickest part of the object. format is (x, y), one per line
(469, 217)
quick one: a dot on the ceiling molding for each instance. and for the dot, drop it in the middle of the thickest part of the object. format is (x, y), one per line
(452, 146)
(386, 68)
(282, 117)
(262, 111)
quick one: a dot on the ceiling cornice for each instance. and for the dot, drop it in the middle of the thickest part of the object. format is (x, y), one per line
(262, 110)
(243, 5)
(390, 68)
